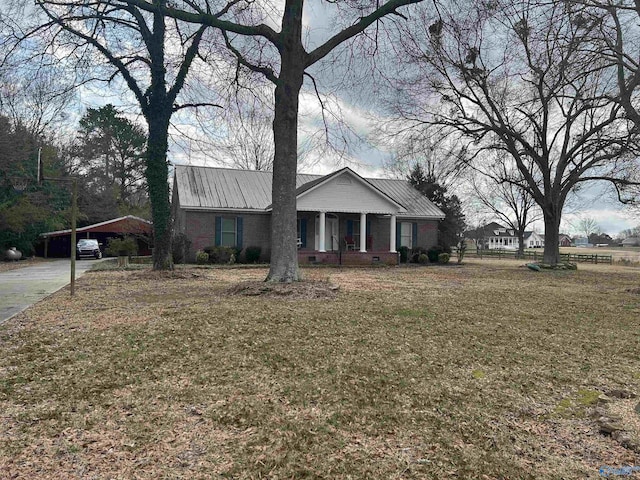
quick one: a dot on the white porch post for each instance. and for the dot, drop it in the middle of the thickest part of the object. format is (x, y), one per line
(363, 232)
(321, 234)
(392, 239)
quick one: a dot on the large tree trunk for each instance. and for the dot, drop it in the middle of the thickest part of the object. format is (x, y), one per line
(284, 251)
(552, 214)
(520, 243)
(157, 175)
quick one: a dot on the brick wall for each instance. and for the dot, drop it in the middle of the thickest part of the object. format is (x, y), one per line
(200, 228)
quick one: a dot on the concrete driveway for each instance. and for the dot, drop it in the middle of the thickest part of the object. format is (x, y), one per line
(21, 288)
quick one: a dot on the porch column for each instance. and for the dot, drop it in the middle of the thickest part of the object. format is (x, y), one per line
(363, 232)
(392, 239)
(321, 234)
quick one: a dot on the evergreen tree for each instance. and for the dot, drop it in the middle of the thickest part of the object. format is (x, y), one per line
(449, 229)
(110, 157)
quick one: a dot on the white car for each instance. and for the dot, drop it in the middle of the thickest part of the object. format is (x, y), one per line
(88, 247)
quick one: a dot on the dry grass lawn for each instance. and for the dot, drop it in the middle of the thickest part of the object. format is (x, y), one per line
(485, 371)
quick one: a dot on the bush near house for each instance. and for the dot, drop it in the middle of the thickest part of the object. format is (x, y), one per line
(122, 247)
(252, 254)
(404, 254)
(434, 252)
(443, 258)
(416, 253)
(222, 255)
(202, 257)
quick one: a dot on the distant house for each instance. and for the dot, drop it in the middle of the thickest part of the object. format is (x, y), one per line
(564, 240)
(582, 242)
(533, 240)
(341, 217)
(494, 236)
(631, 242)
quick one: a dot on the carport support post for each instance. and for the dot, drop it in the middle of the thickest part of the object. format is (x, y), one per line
(74, 213)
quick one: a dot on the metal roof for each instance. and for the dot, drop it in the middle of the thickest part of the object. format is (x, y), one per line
(222, 188)
(128, 223)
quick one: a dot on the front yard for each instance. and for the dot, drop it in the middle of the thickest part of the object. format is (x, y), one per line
(488, 370)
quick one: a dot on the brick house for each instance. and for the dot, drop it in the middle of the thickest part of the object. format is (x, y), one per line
(342, 217)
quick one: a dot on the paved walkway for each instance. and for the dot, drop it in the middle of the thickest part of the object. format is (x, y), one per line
(22, 287)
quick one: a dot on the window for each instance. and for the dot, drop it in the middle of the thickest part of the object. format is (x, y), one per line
(406, 234)
(229, 231)
(356, 233)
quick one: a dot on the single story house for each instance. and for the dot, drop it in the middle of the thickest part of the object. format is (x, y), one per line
(58, 244)
(564, 240)
(341, 217)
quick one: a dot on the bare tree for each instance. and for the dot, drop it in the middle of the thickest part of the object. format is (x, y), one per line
(618, 29)
(36, 96)
(283, 59)
(525, 79)
(110, 41)
(587, 226)
(505, 199)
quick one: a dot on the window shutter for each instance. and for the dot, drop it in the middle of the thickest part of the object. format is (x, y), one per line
(369, 243)
(303, 232)
(349, 228)
(414, 234)
(398, 233)
(218, 231)
(368, 227)
(239, 231)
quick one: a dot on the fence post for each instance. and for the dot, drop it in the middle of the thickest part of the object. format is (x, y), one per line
(596, 258)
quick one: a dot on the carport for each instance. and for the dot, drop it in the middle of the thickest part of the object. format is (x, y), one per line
(58, 244)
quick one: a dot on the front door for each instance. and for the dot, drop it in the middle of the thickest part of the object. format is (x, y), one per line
(331, 240)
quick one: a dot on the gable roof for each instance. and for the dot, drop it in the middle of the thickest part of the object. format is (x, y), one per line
(227, 189)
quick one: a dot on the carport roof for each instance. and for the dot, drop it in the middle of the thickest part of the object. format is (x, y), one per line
(126, 224)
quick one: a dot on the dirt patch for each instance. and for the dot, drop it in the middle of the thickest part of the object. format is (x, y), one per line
(307, 289)
(165, 275)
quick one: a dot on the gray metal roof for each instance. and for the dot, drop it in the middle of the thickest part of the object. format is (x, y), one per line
(223, 188)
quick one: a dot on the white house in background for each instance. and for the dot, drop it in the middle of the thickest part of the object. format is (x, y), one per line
(497, 237)
(533, 240)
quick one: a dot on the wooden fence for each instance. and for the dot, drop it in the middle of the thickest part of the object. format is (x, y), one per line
(537, 256)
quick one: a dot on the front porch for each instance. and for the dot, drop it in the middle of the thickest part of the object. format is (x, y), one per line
(347, 257)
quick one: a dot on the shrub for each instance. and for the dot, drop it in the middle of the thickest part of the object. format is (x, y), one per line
(202, 257)
(122, 247)
(423, 258)
(433, 253)
(252, 254)
(404, 254)
(443, 258)
(416, 252)
(221, 255)
(179, 247)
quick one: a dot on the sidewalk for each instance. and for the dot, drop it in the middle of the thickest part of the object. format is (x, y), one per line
(22, 287)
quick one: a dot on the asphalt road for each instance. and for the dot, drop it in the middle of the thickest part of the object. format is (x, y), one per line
(21, 288)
